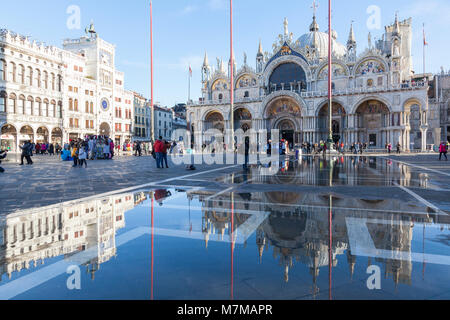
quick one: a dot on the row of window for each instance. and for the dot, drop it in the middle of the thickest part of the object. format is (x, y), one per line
(30, 106)
(74, 123)
(119, 113)
(88, 107)
(118, 127)
(27, 76)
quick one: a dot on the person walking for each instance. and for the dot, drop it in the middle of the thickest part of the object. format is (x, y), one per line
(246, 152)
(443, 151)
(43, 148)
(3, 155)
(111, 148)
(26, 153)
(82, 156)
(399, 146)
(138, 149)
(158, 151)
(106, 150)
(74, 155)
(165, 148)
(51, 149)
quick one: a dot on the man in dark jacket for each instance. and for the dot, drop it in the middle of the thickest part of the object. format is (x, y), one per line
(2, 156)
(26, 153)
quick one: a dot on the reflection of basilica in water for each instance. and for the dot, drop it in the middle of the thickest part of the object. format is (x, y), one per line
(30, 237)
(298, 230)
(348, 171)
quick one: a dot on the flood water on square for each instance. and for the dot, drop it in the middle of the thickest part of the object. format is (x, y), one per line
(194, 243)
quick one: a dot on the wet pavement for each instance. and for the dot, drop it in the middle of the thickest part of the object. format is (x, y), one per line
(342, 228)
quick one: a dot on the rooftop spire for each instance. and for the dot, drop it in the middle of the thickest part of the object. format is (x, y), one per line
(205, 61)
(260, 49)
(396, 24)
(314, 26)
(351, 36)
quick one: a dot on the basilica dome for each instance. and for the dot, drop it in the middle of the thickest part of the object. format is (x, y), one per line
(319, 40)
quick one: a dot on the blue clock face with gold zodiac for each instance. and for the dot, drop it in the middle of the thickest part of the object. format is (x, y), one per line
(104, 104)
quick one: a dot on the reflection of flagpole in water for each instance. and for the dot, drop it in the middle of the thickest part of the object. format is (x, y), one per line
(190, 223)
(423, 247)
(153, 201)
(330, 243)
(232, 244)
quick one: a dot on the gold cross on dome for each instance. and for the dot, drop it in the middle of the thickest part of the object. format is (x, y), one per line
(314, 7)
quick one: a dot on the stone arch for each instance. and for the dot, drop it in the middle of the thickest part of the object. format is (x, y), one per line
(26, 133)
(324, 103)
(43, 134)
(105, 129)
(242, 118)
(9, 140)
(360, 62)
(372, 119)
(57, 135)
(324, 65)
(253, 80)
(413, 101)
(214, 119)
(268, 100)
(361, 101)
(218, 83)
(282, 60)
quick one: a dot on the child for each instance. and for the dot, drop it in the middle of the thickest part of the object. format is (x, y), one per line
(82, 156)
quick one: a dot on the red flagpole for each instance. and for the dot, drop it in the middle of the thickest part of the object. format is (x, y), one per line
(153, 200)
(232, 246)
(330, 68)
(151, 66)
(231, 77)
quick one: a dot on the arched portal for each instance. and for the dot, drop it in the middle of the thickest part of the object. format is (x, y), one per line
(285, 114)
(287, 130)
(214, 120)
(26, 134)
(42, 135)
(372, 118)
(242, 119)
(105, 130)
(337, 122)
(57, 136)
(287, 76)
(8, 138)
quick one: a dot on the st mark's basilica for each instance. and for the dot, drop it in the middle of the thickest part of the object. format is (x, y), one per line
(377, 97)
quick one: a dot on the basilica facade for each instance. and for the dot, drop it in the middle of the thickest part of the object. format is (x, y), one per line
(377, 98)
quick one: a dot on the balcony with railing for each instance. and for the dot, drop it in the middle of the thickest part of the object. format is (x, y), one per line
(300, 89)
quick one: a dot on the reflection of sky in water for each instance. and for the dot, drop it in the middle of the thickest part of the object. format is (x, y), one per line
(187, 268)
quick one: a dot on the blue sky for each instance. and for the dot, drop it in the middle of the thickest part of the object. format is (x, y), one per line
(184, 29)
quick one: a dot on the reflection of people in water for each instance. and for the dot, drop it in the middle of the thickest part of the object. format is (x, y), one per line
(161, 194)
